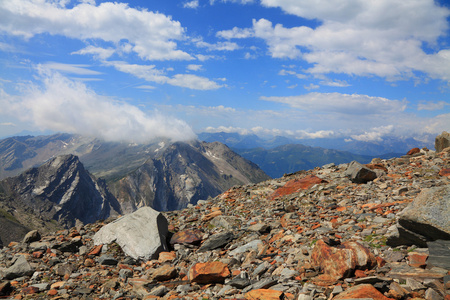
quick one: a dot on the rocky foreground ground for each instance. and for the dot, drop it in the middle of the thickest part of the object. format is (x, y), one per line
(338, 232)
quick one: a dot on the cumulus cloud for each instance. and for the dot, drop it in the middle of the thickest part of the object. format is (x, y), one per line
(375, 135)
(151, 35)
(341, 103)
(61, 104)
(357, 37)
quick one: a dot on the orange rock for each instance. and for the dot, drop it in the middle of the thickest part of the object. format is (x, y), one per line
(38, 254)
(360, 274)
(52, 293)
(361, 291)
(417, 260)
(444, 172)
(96, 250)
(167, 256)
(211, 215)
(413, 151)
(377, 166)
(30, 290)
(165, 272)
(296, 185)
(264, 294)
(88, 262)
(209, 272)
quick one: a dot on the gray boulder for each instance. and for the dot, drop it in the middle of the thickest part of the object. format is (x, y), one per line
(32, 236)
(429, 214)
(142, 234)
(19, 268)
(442, 141)
(359, 173)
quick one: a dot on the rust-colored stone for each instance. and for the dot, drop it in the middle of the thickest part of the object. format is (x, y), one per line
(444, 172)
(296, 185)
(52, 293)
(361, 291)
(413, 151)
(209, 272)
(165, 272)
(337, 263)
(212, 215)
(377, 166)
(96, 250)
(264, 294)
(364, 258)
(417, 260)
(188, 236)
(30, 290)
(167, 256)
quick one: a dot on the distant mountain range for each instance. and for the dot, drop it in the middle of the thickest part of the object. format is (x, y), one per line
(392, 145)
(280, 155)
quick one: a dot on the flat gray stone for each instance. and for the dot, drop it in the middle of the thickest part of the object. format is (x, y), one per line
(439, 254)
(217, 241)
(429, 214)
(141, 235)
(359, 173)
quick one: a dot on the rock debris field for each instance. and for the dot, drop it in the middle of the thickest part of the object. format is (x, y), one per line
(351, 231)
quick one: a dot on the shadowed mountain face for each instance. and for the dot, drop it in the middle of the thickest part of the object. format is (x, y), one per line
(61, 190)
(161, 174)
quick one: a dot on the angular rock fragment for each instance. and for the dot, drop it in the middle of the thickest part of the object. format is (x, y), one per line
(264, 294)
(362, 291)
(358, 173)
(32, 236)
(209, 272)
(296, 185)
(142, 234)
(19, 268)
(217, 241)
(188, 236)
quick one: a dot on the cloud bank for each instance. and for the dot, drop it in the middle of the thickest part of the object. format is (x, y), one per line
(64, 105)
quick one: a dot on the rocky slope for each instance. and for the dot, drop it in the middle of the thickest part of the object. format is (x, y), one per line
(335, 232)
(58, 193)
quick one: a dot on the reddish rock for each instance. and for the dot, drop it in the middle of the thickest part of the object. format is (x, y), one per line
(89, 262)
(167, 256)
(413, 151)
(30, 290)
(417, 260)
(165, 272)
(361, 291)
(52, 293)
(211, 215)
(444, 172)
(364, 258)
(209, 272)
(38, 254)
(96, 250)
(264, 294)
(188, 236)
(377, 166)
(340, 262)
(337, 263)
(296, 185)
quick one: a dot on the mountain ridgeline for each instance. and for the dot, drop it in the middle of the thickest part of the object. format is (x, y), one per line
(65, 180)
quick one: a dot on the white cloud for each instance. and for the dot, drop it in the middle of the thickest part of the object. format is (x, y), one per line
(151, 74)
(151, 35)
(376, 135)
(220, 46)
(193, 67)
(7, 124)
(358, 37)
(341, 103)
(61, 104)
(431, 105)
(311, 86)
(97, 52)
(70, 68)
(191, 4)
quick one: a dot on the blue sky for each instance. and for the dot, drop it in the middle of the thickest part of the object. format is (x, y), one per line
(354, 69)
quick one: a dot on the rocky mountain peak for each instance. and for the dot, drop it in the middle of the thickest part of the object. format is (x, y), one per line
(61, 190)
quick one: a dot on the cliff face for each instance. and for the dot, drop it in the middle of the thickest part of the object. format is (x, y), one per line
(60, 190)
(184, 173)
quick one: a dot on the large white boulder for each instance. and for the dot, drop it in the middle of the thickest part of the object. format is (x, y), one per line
(142, 234)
